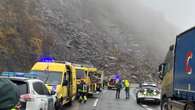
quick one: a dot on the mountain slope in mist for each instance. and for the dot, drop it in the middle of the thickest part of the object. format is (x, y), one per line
(94, 32)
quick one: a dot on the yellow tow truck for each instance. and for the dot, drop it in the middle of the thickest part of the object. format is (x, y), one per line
(100, 79)
(59, 78)
(94, 89)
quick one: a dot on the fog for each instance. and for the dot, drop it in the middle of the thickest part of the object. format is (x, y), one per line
(113, 35)
(149, 27)
(178, 12)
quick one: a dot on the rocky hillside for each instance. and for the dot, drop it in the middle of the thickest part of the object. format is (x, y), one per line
(93, 32)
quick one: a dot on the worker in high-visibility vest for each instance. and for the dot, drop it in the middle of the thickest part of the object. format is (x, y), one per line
(82, 89)
(127, 87)
(17, 107)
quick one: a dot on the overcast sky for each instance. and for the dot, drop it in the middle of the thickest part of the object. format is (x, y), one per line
(181, 13)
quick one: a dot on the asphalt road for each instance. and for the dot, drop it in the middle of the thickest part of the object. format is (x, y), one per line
(107, 101)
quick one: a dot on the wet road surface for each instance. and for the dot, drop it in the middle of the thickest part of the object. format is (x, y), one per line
(107, 101)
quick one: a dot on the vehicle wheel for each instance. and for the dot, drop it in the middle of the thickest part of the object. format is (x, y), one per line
(190, 106)
(69, 103)
(164, 104)
(138, 101)
(58, 105)
(158, 102)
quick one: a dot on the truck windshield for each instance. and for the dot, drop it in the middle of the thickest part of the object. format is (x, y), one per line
(49, 77)
(80, 74)
(112, 81)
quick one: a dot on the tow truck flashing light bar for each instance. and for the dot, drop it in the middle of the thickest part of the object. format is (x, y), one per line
(47, 59)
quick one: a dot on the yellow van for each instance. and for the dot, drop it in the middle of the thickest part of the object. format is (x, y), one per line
(87, 74)
(81, 74)
(100, 76)
(93, 80)
(59, 78)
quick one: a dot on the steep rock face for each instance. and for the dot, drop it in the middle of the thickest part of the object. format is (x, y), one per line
(89, 31)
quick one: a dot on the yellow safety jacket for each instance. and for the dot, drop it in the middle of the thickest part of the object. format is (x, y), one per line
(126, 83)
(82, 88)
(14, 108)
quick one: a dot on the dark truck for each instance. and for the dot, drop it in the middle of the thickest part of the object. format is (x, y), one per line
(111, 84)
(177, 73)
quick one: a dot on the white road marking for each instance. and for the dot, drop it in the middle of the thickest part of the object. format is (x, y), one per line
(95, 103)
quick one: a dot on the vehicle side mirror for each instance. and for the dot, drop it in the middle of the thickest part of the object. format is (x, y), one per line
(161, 76)
(161, 70)
(52, 92)
(171, 48)
(65, 83)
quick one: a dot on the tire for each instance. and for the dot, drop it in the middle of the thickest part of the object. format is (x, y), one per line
(158, 102)
(190, 106)
(138, 101)
(69, 103)
(58, 105)
(164, 104)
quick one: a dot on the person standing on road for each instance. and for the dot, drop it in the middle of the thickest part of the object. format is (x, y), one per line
(82, 89)
(104, 83)
(118, 89)
(127, 86)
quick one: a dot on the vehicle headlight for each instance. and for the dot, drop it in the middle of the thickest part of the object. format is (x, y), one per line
(145, 91)
(155, 92)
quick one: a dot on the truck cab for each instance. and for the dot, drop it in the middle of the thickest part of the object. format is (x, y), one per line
(59, 78)
(112, 83)
(166, 74)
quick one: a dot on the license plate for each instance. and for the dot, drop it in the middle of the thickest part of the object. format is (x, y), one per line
(147, 95)
(149, 99)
